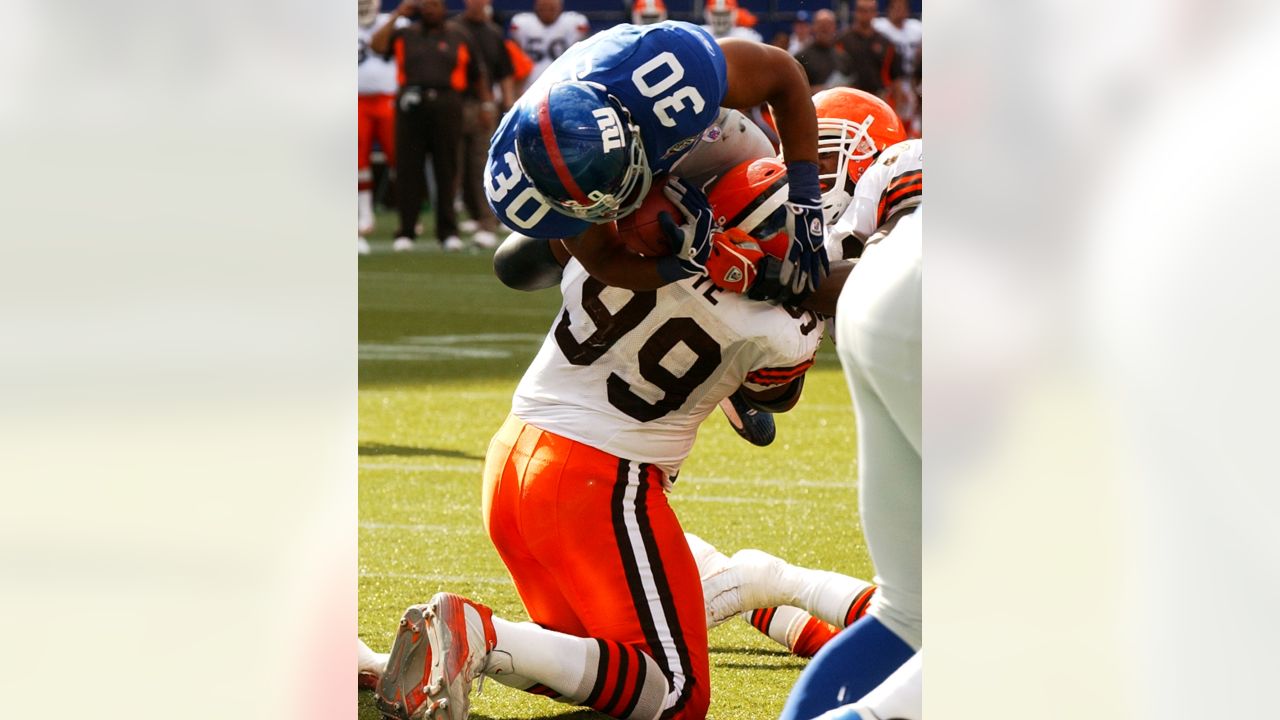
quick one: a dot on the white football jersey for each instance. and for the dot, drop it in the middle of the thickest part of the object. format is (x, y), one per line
(893, 182)
(635, 373)
(906, 39)
(376, 74)
(544, 43)
(737, 31)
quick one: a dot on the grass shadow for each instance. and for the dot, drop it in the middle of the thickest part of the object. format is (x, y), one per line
(379, 449)
(758, 652)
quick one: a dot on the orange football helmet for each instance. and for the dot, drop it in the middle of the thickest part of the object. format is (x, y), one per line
(647, 12)
(748, 201)
(853, 127)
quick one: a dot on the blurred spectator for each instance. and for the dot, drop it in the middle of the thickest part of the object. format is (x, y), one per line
(825, 63)
(376, 114)
(873, 63)
(801, 32)
(722, 18)
(474, 149)
(781, 40)
(647, 12)
(906, 34)
(903, 30)
(438, 62)
(546, 33)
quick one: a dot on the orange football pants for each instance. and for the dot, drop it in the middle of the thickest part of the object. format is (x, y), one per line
(376, 119)
(596, 551)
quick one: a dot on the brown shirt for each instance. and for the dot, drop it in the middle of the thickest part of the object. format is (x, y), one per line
(873, 63)
(490, 47)
(439, 58)
(821, 63)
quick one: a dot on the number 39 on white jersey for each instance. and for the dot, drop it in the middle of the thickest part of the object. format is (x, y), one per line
(635, 373)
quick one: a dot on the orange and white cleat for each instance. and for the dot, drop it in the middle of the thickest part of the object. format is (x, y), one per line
(439, 649)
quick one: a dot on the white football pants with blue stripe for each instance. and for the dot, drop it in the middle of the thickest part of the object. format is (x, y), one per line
(878, 338)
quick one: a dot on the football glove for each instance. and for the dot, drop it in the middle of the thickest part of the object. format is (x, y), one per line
(806, 263)
(690, 241)
(732, 262)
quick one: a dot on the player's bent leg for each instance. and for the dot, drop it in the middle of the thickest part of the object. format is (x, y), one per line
(851, 665)
(559, 512)
(619, 680)
(879, 334)
(755, 579)
(369, 666)
(802, 634)
(642, 589)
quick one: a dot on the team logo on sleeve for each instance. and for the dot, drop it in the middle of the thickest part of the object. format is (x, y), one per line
(680, 146)
(610, 128)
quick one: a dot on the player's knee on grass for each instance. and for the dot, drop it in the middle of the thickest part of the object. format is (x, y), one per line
(525, 263)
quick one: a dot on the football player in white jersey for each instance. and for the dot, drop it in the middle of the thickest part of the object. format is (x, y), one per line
(907, 34)
(878, 337)
(575, 501)
(721, 17)
(647, 12)
(546, 33)
(377, 84)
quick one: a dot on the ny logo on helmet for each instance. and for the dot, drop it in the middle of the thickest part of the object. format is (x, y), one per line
(610, 128)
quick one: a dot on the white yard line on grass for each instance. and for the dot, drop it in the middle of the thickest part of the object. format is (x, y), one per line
(440, 578)
(768, 482)
(729, 500)
(449, 347)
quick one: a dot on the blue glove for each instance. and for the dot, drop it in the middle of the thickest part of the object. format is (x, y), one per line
(690, 242)
(806, 263)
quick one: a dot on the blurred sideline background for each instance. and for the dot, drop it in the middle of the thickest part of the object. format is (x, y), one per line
(178, 529)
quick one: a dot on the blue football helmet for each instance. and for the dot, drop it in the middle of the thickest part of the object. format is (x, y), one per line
(579, 148)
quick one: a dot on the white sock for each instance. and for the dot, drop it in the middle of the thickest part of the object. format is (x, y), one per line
(365, 210)
(826, 595)
(371, 661)
(526, 651)
(527, 654)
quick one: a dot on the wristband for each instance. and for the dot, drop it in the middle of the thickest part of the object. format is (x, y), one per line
(802, 182)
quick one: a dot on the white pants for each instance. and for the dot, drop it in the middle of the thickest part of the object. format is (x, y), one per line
(878, 331)
(730, 140)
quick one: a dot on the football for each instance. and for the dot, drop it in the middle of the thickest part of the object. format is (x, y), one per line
(641, 232)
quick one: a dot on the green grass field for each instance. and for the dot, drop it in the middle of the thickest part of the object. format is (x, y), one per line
(442, 346)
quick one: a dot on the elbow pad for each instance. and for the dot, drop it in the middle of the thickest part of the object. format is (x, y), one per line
(525, 263)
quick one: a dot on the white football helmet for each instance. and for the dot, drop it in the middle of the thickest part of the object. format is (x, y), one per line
(721, 16)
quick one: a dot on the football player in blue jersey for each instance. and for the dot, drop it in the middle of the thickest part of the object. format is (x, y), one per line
(582, 146)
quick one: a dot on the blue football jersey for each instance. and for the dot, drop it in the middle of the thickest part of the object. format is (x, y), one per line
(671, 78)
